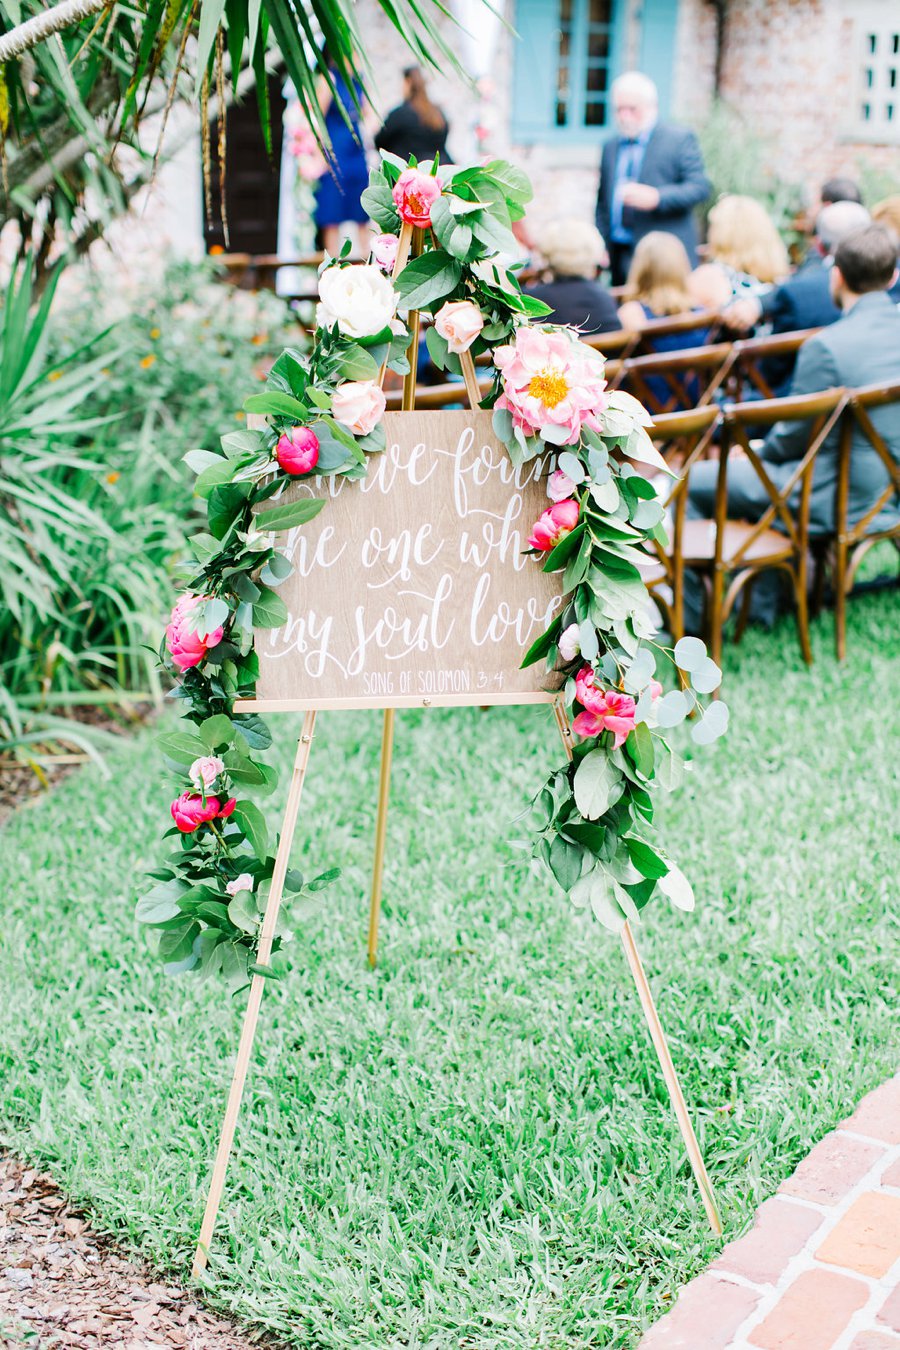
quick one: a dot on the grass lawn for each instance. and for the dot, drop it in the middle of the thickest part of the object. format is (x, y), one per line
(472, 1146)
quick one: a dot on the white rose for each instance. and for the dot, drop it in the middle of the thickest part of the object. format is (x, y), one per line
(569, 643)
(360, 299)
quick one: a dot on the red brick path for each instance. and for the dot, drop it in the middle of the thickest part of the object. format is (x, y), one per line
(820, 1269)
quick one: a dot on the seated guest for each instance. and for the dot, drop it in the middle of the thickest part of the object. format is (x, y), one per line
(658, 287)
(803, 300)
(863, 347)
(887, 213)
(746, 254)
(840, 189)
(575, 252)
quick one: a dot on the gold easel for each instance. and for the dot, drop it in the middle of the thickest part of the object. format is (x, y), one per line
(410, 241)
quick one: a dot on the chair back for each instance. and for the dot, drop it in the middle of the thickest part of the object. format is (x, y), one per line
(666, 382)
(619, 343)
(676, 325)
(861, 404)
(739, 420)
(749, 357)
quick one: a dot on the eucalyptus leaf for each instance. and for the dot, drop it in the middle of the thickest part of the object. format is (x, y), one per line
(597, 785)
(672, 708)
(707, 677)
(676, 886)
(712, 725)
(690, 653)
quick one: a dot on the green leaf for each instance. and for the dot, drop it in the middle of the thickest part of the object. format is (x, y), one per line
(243, 770)
(182, 746)
(286, 515)
(640, 747)
(598, 784)
(567, 546)
(645, 859)
(269, 611)
(428, 279)
(160, 904)
(541, 645)
(216, 731)
(226, 504)
(565, 862)
(601, 892)
(273, 401)
(243, 912)
(253, 823)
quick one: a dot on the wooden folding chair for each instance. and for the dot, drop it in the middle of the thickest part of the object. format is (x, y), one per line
(676, 325)
(748, 366)
(852, 542)
(728, 554)
(682, 438)
(621, 342)
(669, 382)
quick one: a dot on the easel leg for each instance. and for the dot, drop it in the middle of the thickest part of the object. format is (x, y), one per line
(248, 1032)
(384, 788)
(658, 1036)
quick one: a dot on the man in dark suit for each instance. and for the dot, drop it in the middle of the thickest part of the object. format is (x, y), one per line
(804, 300)
(863, 347)
(651, 176)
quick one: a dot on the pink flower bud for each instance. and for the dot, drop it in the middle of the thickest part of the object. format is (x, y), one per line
(554, 525)
(297, 450)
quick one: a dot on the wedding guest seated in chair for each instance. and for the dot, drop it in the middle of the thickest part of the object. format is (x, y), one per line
(575, 252)
(862, 348)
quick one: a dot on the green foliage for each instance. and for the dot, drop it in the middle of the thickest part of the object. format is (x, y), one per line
(478, 1127)
(738, 160)
(94, 500)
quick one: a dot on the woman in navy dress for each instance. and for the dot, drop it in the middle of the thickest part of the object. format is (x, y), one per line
(347, 176)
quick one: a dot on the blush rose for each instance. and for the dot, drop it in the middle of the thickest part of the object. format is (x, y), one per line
(359, 406)
(459, 322)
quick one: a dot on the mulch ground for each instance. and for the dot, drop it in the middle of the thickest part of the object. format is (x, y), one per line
(62, 1285)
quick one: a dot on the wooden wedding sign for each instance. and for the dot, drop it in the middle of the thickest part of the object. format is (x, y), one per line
(411, 589)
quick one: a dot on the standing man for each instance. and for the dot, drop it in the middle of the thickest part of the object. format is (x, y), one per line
(651, 176)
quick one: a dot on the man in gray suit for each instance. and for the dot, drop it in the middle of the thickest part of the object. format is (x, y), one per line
(651, 176)
(862, 347)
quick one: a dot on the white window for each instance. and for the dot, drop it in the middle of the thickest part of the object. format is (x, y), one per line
(876, 112)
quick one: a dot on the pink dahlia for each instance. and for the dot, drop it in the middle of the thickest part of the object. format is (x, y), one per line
(553, 385)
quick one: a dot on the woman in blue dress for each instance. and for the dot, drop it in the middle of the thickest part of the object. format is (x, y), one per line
(347, 176)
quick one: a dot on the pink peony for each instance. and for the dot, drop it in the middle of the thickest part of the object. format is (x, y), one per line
(414, 195)
(189, 811)
(559, 486)
(204, 771)
(605, 709)
(556, 522)
(553, 385)
(186, 645)
(384, 251)
(297, 450)
(460, 322)
(359, 406)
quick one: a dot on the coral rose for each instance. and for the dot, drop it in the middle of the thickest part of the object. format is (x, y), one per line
(297, 450)
(460, 322)
(359, 406)
(414, 194)
(554, 525)
(553, 384)
(186, 645)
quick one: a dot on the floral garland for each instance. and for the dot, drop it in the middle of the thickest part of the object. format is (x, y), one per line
(592, 818)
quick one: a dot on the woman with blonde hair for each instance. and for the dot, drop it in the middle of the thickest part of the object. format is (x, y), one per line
(747, 255)
(657, 287)
(575, 251)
